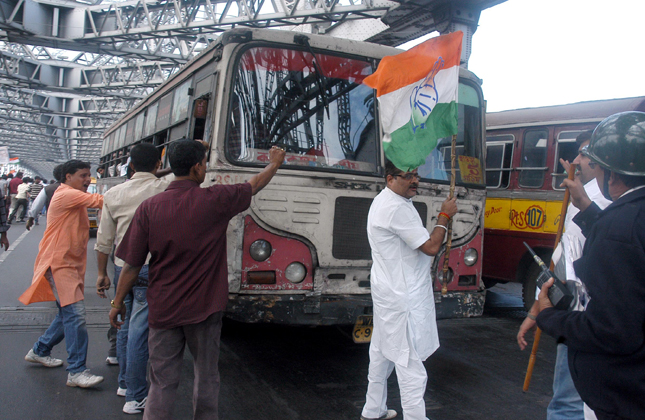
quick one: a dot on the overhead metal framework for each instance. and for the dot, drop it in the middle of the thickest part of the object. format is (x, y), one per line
(69, 69)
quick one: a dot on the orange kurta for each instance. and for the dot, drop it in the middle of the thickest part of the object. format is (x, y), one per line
(63, 248)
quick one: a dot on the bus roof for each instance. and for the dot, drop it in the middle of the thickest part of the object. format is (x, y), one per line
(590, 111)
(243, 35)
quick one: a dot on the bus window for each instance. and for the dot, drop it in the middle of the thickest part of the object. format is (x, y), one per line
(567, 149)
(320, 114)
(499, 158)
(533, 163)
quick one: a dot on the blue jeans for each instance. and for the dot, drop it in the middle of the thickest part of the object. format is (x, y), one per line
(566, 403)
(122, 334)
(132, 340)
(138, 347)
(70, 325)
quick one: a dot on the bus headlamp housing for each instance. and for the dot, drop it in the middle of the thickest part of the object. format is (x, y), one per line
(471, 257)
(295, 272)
(451, 274)
(260, 250)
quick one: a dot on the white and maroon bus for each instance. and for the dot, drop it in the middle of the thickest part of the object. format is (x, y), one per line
(300, 254)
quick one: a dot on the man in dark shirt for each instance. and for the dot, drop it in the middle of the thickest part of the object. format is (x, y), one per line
(184, 230)
(13, 191)
(607, 341)
(4, 227)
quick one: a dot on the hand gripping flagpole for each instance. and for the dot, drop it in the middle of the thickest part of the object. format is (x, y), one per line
(538, 331)
(453, 173)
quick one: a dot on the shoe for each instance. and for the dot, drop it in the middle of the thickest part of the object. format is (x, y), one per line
(121, 392)
(83, 379)
(387, 416)
(47, 361)
(134, 407)
(112, 360)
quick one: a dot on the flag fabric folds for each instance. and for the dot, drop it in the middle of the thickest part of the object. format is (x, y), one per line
(417, 92)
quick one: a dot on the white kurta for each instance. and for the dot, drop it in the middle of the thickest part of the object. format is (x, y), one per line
(404, 311)
(570, 247)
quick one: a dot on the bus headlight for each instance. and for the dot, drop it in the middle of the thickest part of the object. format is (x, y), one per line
(451, 275)
(295, 272)
(470, 257)
(260, 250)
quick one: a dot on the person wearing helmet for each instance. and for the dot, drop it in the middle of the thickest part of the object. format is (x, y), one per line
(607, 341)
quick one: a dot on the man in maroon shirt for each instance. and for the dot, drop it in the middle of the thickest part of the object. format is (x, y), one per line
(184, 230)
(13, 191)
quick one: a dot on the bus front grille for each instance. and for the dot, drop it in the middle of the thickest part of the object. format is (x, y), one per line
(350, 227)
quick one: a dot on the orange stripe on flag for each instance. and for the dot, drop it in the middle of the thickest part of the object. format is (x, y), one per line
(397, 71)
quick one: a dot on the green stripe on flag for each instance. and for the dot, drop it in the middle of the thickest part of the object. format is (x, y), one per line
(409, 150)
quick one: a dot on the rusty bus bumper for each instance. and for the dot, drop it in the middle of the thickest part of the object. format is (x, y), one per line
(336, 310)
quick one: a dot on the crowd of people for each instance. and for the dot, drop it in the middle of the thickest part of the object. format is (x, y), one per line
(20, 192)
(171, 279)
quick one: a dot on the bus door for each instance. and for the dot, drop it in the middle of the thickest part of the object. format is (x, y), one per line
(201, 124)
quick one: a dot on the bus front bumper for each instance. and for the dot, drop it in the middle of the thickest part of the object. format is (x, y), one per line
(338, 309)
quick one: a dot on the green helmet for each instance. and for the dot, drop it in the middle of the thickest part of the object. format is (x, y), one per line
(618, 143)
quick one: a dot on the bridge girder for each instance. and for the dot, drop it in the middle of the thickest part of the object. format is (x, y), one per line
(67, 69)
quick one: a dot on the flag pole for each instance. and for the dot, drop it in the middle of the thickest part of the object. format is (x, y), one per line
(538, 331)
(453, 173)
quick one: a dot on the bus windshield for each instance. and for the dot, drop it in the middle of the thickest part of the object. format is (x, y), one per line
(468, 150)
(317, 109)
(314, 106)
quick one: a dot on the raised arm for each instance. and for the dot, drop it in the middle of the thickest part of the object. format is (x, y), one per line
(259, 181)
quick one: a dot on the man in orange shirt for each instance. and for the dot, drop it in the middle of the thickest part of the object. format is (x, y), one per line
(59, 274)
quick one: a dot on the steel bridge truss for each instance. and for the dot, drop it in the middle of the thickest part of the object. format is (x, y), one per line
(68, 69)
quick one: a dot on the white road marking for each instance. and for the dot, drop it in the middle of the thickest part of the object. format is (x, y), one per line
(13, 246)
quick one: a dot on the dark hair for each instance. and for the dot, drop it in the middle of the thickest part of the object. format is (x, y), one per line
(37, 177)
(71, 167)
(58, 172)
(583, 137)
(144, 157)
(4, 176)
(390, 169)
(19, 175)
(26, 180)
(184, 154)
(52, 181)
(10, 176)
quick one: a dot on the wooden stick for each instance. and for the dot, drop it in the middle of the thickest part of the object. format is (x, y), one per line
(558, 237)
(453, 172)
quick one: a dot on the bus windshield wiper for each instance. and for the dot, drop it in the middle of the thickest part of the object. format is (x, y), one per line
(321, 79)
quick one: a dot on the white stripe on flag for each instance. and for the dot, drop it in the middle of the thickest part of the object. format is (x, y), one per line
(395, 106)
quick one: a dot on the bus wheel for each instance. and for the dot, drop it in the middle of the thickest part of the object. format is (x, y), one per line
(529, 285)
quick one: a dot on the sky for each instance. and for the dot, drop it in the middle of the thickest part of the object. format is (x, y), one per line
(532, 53)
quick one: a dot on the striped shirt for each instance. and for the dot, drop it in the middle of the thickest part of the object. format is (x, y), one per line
(34, 190)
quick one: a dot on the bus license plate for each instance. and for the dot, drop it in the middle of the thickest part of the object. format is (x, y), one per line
(363, 329)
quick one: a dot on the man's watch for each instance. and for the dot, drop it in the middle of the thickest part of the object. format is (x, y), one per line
(112, 304)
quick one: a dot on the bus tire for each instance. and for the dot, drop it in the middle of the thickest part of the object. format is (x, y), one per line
(529, 284)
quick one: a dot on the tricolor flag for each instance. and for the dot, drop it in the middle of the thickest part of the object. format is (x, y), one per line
(417, 94)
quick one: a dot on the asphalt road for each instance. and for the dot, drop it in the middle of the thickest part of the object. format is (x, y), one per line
(273, 372)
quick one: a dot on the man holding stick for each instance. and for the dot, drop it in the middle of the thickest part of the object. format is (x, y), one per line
(566, 403)
(405, 327)
(606, 342)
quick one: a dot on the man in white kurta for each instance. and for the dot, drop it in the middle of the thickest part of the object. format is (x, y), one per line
(405, 328)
